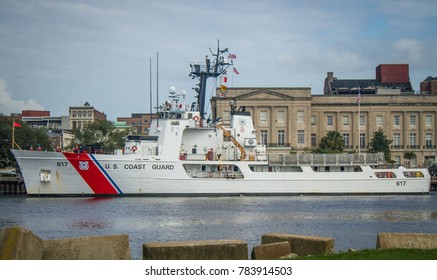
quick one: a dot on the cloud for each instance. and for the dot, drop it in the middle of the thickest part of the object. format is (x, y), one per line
(9, 105)
(409, 49)
(64, 52)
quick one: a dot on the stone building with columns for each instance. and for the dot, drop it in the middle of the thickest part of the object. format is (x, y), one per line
(294, 120)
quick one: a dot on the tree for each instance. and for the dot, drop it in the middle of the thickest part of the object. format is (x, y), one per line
(409, 156)
(25, 136)
(102, 134)
(380, 144)
(331, 143)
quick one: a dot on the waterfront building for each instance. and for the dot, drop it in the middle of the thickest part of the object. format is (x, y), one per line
(139, 121)
(294, 120)
(42, 119)
(57, 127)
(81, 116)
(389, 78)
(429, 85)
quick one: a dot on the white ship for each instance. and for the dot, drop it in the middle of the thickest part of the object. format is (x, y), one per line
(186, 155)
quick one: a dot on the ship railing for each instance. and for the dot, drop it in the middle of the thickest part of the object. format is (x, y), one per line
(326, 159)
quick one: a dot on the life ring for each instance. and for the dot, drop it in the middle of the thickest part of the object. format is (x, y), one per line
(134, 148)
(196, 118)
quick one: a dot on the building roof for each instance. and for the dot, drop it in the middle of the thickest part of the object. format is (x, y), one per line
(430, 78)
(351, 86)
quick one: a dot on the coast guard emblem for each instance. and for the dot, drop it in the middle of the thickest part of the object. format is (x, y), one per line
(83, 165)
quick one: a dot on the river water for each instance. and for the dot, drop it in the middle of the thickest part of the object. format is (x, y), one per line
(354, 221)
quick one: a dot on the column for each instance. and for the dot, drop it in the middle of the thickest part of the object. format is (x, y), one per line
(405, 140)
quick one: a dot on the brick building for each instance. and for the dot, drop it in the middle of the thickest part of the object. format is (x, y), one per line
(429, 85)
(388, 77)
(81, 116)
(139, 121)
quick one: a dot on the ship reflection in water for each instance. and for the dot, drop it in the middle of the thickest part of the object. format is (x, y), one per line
(354, 221)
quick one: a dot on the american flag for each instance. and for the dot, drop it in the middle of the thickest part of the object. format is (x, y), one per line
(232, 56)
(236, 71)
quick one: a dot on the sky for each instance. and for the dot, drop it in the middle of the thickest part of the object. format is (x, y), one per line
(60, 53)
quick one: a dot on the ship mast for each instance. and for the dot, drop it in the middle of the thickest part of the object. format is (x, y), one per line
(208, 70)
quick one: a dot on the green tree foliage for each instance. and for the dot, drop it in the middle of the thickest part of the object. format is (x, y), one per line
(380, 143)
(25, 137)
(331, 143)
(102, 134)
(409, 156)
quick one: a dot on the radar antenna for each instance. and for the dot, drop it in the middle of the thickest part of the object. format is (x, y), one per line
(208, 70)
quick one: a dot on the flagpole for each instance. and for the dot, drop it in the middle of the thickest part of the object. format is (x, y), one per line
(13, 133)
(359, 116)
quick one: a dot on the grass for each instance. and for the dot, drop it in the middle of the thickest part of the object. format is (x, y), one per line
(378, 254)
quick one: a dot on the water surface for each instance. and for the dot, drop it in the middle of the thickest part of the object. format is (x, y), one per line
(354, 221)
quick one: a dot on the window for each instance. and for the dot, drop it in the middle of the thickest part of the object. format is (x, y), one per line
(396, 120)
(300, 117)
(397, 140)
(281, 137)
(329, 120)
(264, 137)
(428, 140)
(281, 116)
(301, 137)
(379, 120)
(346, 139)
(413, 163)
(313, 140)
(346, 120)
(428, 120)
(90, 114)
(313, 120)
(413, 120)
(362, 120)
(362, 140)
(263, 117)
(413, 140)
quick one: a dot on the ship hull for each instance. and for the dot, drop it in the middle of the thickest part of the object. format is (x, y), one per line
(70, 174)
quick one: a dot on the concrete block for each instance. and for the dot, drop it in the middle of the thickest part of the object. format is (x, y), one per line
(115, 247)
(196, 250)
(301, 244)
(17, 243)
(392, 240)
(271, 251)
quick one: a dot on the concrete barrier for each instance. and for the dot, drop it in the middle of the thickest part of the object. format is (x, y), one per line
(114, 247)
(17, 243)
(392, 240)
(302, 245)
(196, 250)
(271, 251)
